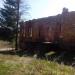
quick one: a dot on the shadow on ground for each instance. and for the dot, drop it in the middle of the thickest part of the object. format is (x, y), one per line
(65, 57)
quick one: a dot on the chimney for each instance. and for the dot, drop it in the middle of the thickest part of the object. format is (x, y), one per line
(65, 10)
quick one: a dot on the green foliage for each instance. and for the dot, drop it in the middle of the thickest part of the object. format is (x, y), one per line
(8, 13)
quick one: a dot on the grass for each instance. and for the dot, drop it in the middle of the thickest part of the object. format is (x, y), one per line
(15, 65)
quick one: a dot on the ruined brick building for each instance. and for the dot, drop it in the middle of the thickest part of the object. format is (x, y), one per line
(50, 29)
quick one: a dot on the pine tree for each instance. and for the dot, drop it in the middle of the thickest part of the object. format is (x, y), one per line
(8, 13)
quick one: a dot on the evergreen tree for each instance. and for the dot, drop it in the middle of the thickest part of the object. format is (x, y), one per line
(8, 14)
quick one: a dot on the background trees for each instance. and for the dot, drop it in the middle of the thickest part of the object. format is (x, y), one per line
(11, 12)
(10, 15)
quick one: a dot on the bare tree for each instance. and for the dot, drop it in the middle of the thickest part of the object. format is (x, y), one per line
(20, 10)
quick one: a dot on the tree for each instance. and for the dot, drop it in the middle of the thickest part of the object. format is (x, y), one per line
(19, 13)
(10, 15)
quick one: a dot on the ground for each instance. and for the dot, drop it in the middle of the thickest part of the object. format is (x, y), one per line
(25, 65)
(19, 63)
(5, 44)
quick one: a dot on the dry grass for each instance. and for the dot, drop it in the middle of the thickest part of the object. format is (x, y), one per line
(15, 65)
(5, 44)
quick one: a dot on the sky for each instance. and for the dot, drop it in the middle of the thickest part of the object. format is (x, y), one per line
(1, 2)
(44, 8)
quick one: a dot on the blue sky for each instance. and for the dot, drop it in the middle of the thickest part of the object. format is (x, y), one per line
(44, 8)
